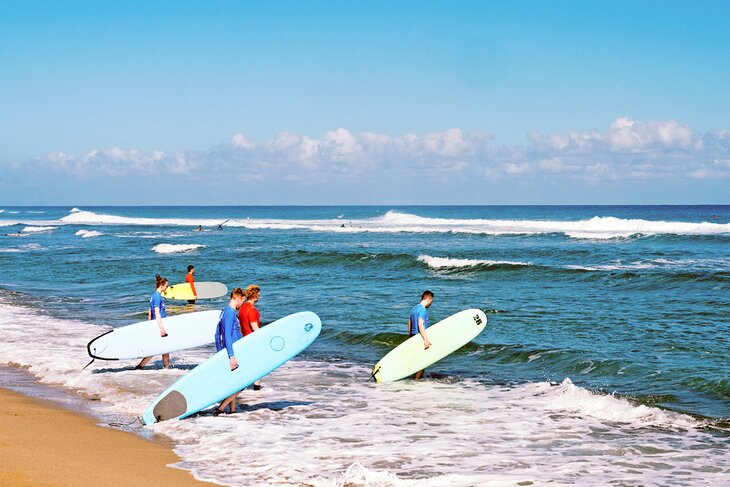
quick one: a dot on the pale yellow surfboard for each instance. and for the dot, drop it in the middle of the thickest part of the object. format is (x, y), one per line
(446, 337)
(206, 290)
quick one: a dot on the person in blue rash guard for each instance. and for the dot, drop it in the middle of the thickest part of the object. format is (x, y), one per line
(418, 322)
(227, 333)
(156, 311)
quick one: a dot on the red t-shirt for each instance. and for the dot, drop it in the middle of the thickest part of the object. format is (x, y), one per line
(247, 314)
(190, 279)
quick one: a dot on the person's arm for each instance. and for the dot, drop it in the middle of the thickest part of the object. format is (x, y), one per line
(228, 330)
(192, 286)
(255, 323)
(191, 280)
(409, 325)
(158, 318)
(422, 331)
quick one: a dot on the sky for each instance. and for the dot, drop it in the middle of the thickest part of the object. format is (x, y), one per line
(364, 102)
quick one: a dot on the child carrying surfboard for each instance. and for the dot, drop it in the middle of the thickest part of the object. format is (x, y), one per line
(156, 312)
(418, 322)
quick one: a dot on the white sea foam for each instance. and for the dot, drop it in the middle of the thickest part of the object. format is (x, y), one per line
(23, 248)
(176, 248)
(88, 233)
(599, 228)
(447, 263)
(319, 423)
(662, 264)
(74, 210)
(38, 229)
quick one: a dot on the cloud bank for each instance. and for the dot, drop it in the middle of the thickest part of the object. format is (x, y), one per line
(626, 151)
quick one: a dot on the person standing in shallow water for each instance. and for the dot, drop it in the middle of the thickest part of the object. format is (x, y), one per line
(156, 311)
(191, 280)
(418, 322)
(227, 333)
(249, 317)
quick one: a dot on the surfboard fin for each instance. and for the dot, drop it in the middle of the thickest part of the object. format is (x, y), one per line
(92, 361)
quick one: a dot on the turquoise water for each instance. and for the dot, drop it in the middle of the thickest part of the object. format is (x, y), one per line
(627, 302)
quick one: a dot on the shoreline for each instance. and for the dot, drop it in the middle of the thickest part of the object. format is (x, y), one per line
(44, 444)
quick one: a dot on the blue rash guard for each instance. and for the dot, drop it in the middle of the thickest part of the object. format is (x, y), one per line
(228, 330)
(418, 311)
(156, 301)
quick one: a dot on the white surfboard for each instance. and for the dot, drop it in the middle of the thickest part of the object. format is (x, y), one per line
(446, 337)
(205, 290)
(143, 339)
(258, 354)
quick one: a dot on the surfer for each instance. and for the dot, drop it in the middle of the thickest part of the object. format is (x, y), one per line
(418, 322)
(191, 280)
(156, 311)
(249, 317)
(200, 228)
(227, 333)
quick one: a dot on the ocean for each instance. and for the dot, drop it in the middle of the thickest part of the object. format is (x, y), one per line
(605, 360)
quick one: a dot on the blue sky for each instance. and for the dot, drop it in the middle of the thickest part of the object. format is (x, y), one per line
(410, 102)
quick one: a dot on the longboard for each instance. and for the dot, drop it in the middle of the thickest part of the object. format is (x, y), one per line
(258, 354)
(143, 339)
(446, 337)
(206, 290)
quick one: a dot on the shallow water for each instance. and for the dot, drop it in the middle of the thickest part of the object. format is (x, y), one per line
(604, 360)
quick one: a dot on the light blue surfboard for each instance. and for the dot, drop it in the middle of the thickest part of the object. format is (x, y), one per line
(258, 354)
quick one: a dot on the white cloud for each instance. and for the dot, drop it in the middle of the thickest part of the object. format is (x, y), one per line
(625, 150)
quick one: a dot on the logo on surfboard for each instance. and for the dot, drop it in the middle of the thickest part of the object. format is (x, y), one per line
(477, 320)
(308, 327)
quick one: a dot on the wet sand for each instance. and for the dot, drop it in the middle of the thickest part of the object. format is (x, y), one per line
(42, 444)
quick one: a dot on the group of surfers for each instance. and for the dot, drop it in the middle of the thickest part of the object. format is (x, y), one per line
(237, 320)
(240, 318)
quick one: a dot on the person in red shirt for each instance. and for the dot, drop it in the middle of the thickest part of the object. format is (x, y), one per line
(191, 280)
(249, 317)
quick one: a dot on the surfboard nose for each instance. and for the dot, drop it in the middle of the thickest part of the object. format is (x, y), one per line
(97, 346)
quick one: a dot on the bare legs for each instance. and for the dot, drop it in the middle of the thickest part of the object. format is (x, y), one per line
(165, 361)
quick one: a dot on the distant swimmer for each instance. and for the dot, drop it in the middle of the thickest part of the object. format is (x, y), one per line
(418, 322)
(156, 311)
(191, 280)
(200, 228)
(227, 333)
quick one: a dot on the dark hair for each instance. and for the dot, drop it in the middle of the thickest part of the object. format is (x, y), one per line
(237, 292)
(426, 294)
(191, 267)
(159, 281)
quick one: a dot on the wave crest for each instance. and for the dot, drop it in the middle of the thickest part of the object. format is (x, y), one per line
(599, 228)
(176, 248)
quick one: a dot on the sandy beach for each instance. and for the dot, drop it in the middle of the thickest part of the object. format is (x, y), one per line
(44, 445)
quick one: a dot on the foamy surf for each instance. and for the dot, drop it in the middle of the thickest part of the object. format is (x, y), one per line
(449, 263)
(88, 233)
(37, 229)
(320, 423)
(176, 248)
(597, 228)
